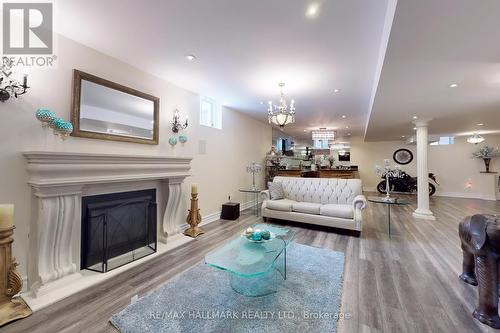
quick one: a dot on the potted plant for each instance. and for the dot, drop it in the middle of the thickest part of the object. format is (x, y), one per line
(486, 153)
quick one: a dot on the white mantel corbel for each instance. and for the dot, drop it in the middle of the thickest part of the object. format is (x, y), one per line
(58, 181)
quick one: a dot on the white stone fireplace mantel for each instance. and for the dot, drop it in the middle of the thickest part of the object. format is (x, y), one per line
(60, 179)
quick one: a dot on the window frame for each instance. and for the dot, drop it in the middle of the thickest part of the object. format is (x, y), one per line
(215, 113)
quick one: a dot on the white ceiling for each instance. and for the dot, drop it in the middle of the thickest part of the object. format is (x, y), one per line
(432, 45)
(244, 48)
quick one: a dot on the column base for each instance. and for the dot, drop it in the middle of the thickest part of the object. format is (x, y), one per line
(423, 214)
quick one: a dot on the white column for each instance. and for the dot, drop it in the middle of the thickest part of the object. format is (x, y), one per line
(422, 211)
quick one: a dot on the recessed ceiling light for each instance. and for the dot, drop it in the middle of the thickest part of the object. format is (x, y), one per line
(415, 117)
(403, 136)
(480, 124)
(191, 57)
(347, 127)
(336, 90)
(344, 116)
(305, 130)
(312, 10)
(261, 102)
(453, 85)
(414, 128)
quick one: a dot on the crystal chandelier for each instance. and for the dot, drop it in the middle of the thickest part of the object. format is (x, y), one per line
(8, 85)
(475, 139)
(323, 134)
(281, 114)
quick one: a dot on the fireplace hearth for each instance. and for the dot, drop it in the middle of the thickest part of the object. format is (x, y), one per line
(117, 229)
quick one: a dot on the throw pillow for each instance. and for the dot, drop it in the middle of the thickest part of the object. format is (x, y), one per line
(276, 191)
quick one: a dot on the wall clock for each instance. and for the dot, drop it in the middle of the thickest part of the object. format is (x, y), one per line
(403, 156)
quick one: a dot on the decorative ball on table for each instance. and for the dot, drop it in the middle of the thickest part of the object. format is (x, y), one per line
(45, 116)
(257, 235)
(266, 235)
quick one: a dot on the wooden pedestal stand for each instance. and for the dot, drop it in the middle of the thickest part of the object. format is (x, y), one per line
(194, 218)
(11, 308)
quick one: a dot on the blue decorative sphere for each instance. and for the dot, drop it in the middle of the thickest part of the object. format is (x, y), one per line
(57, 123)
(183, 138)
(65, 129)
(257, 236)
(266, 235)
(172, 141)
(45, 116)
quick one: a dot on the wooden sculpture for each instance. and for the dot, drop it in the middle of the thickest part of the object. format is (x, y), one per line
(480, 236)
(194, 217)
(11, 308)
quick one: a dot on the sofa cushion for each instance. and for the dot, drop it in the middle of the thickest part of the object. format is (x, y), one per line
(306, 207)
(283, 205)
(334, 210)
(275, 190)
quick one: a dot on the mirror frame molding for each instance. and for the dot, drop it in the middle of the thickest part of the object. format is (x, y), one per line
(78, 76)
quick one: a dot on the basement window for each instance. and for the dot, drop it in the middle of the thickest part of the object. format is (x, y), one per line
(443, 141)
(210, 113)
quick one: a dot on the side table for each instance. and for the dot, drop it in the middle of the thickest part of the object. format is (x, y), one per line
(256, 193)
(389, 202)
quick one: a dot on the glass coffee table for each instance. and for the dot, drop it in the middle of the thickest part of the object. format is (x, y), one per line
(255, 268)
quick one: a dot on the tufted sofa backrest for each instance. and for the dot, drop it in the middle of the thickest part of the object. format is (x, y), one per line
(320, 190)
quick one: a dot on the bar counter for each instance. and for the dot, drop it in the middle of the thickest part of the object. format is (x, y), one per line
(322, 173)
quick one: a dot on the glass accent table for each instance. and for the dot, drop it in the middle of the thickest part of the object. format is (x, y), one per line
(256, 193)
(255, 268)
(389, 202)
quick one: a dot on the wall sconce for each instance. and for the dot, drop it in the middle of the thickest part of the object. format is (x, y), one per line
(176, 122)
(8, 85)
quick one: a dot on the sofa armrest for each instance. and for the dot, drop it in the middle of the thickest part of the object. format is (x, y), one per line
(359, 202)
(265, 195)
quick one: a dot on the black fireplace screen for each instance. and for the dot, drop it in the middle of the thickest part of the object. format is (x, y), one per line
(117, 229)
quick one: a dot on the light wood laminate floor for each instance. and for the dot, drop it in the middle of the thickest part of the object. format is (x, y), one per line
(406, 284)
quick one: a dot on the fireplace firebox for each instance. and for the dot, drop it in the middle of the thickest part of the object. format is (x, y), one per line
(117, 229)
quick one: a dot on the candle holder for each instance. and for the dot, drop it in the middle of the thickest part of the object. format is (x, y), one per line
(11, 308)
(194, 218)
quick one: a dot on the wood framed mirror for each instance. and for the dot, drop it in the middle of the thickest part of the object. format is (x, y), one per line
(106, 110)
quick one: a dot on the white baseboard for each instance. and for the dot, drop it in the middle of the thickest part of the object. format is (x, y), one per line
(216, 216)
(466, 195)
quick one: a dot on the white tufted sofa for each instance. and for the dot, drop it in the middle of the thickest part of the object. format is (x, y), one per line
(329, 202)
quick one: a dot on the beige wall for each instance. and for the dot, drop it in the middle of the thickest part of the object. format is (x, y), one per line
(219, 172)
(458, 173)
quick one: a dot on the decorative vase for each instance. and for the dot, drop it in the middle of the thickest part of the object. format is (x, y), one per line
(45, 116)
(487, 164)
